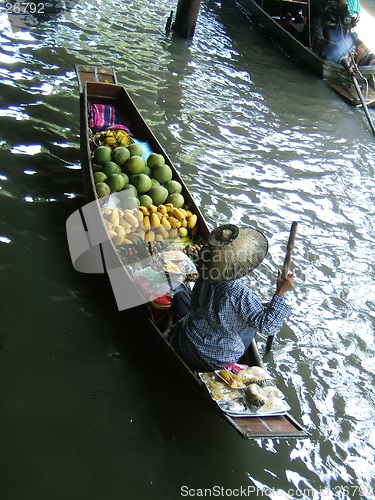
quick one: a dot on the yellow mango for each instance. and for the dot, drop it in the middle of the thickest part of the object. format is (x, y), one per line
(119, 240)
(146, 223)
(150, 236)
(174, 222)
(144, 210)
(131, 218)
(141, 233)
(125, 224)
(164, 233)
(114, 215)
(162, 209)
(138, 214)
(165, 223)
(178, 214)
(154, 220)
(192, 221)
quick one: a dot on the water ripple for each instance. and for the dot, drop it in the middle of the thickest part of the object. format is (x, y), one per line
(257, 142)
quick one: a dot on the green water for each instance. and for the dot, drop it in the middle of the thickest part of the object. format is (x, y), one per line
(89, 410)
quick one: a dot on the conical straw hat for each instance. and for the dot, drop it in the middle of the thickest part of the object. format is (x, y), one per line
(231, 252)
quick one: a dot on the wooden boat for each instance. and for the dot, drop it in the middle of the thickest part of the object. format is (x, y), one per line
(99, 85)
(297, 42)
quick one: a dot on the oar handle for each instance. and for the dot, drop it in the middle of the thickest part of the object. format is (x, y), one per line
(269, 342)
(285, 268)
(346, 64)
(289, 250)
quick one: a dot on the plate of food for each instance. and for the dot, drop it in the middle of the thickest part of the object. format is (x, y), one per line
(258, 396)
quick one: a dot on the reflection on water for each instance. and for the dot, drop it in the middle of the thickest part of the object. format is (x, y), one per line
(257, 141)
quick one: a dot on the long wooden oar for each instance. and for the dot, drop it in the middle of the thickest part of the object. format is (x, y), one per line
(346, 64)
(285, 268)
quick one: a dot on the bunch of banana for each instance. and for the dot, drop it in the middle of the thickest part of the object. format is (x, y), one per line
(151, 223)
(167, 222)
(112, 138)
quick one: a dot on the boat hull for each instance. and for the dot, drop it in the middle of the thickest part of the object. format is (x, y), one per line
(98, 85)
(335, 75)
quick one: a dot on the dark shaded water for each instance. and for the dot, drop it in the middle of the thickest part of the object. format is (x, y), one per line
(89, 409)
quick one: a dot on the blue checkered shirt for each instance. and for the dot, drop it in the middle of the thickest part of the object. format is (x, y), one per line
(210, 335)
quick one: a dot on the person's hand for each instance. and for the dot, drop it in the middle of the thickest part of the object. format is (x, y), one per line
(284, 284)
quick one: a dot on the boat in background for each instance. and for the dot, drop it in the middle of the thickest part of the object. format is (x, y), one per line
(296, 39)
(99, 85)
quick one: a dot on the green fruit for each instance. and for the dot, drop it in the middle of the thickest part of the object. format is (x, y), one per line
(135, 164)
(97, 167)
(120, 155)
(102, 155)
(131, 202)
(162, 173)
(158, 194)
(130, 186)
(145, 200)
(102, 189)
(135, 149)
(147, 170)
(116, 182)
(155, 182)
(173, 187)
(110, 167)
(125, 177)
(154, 160)
(142, 182)
(100, 177)
(176, 199)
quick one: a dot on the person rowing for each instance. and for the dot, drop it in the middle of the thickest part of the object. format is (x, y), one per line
(334, 37)
(215, 325)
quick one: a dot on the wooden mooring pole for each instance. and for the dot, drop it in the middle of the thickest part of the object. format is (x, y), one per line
(186, 17)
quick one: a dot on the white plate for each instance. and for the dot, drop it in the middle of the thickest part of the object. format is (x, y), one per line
(247, 412)
(225, 406)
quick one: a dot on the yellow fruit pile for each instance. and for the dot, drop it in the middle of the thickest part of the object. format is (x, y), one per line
(151, 223)
(112, 138)
(231, 378)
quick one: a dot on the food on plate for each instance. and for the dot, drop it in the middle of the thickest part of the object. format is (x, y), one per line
(254, 374)
(256, 394)
(273, 405)
(251, 401)
(231, 378)
(219, 390)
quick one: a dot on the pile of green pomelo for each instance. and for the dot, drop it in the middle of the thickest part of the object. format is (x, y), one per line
(123, 168)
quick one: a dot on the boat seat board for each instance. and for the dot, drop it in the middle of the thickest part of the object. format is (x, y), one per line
(269, 427)
(93, 74)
